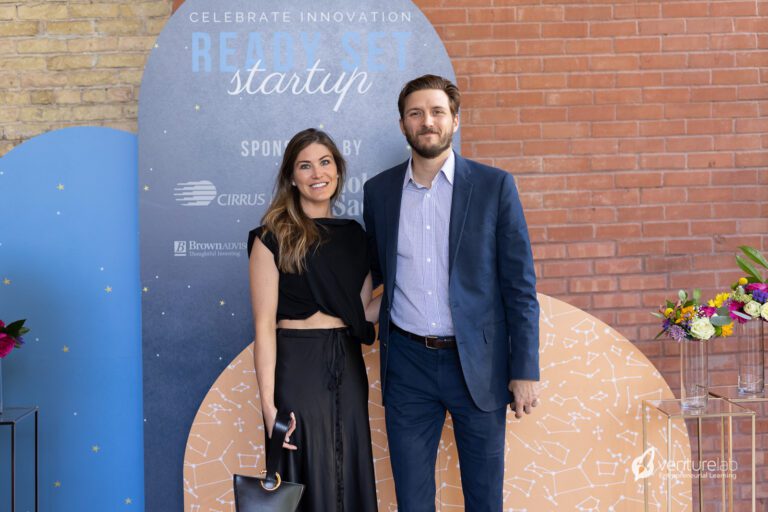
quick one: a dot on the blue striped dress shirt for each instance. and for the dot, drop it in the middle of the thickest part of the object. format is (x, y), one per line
(420, 303)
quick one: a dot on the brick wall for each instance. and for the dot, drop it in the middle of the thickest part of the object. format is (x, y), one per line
(638, 130)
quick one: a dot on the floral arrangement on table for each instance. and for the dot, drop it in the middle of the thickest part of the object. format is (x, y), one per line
(11, 336)
(688, 319)
(748, 299)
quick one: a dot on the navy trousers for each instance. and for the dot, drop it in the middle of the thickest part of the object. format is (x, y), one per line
(421, 385)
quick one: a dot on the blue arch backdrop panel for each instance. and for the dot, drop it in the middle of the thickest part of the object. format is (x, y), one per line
(69, 264)
(225, 87)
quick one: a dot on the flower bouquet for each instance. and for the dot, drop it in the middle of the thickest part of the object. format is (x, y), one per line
(748, 303)
(690, 323)
(10, 338)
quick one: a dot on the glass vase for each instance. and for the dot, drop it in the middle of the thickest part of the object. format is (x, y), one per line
(694, 375)
(751, 357)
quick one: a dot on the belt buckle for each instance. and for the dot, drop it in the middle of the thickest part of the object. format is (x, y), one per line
(427, 339)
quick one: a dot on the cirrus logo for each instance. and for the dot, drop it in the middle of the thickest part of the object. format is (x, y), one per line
(195, 193)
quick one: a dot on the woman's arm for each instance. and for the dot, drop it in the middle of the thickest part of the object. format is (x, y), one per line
(264, 282)
(371, 304)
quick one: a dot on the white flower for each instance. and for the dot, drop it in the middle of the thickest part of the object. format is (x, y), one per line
(752, 308)
(764, 311)
(702, 328)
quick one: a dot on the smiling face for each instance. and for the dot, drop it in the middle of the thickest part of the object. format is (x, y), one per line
(427, 123)
(316, 177)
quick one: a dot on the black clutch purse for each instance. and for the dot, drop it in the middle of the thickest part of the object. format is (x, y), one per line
(270, 493)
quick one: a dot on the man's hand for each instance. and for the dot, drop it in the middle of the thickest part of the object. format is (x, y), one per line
(525, 395)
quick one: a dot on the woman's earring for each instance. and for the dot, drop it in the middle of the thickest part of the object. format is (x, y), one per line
(293, 183)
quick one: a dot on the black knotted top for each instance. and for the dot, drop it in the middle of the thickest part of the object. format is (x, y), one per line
(335, 273)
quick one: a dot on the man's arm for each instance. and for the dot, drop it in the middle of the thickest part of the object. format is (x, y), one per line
(518, 284)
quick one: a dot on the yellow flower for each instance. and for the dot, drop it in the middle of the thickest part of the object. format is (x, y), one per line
(727, 330)
(668, 312)
(719, 300)
(743, 281)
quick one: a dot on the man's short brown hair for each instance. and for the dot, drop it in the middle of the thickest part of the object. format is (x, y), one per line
(431, 82)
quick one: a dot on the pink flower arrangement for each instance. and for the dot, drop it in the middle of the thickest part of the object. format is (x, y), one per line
(10, 336)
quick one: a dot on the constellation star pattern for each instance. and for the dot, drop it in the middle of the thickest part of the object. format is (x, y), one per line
(573, 453)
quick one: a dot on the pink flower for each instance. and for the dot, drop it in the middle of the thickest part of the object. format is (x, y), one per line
(708, 311)
(1, 324)
(6, 345)
(751, 287)
(736, 306)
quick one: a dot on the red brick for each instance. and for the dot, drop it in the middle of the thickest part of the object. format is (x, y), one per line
(551, 286)
(548, 251)
(645, 282)
(713, 94)
(593, 215)
(543, 81)
(689, 144)
(663, 161)
(667, 264)
(473, 66)
(518, 131)
(592, 181)
(661, 27)
(686, 42)
(666, 229)
(491, 48)
(642, 79)
(688, 281)
(617, 96)
(636, 248)
(494, 115)
(662, 195)
(592, 284)
(603, 113)
(563, 30)
(539, 13)
(541, 183)
(566, 200)
(591, 250)
(686, 78)
(728, 9)
(661, 61)
(689, 246)
(637, 10)
(492, 83)
(567, 269)
(644, 213)
(564, 130)
(594, 146)
(637, 44)
(711, 60)
(617, 62)
(441, 16)
(733, 41)
(498, 149)
(708, 25)
(544, 114)
(517, 31)
(518, 65)
(662, 128)
(684, 9)
(734, 109)
(481, 15)
(708, 227)
(588, 13)
(752, 126)
(591, 46)
(591, 80)
(687, 110)
(466, 32)
(546, 47)
(639, 180)
(545, 147)
(519, 165)
(759, 25)
(618, 232)
(754, 92)
(759, 158)
(710, 160)
(552, 64)
(508, 99)
(612, 28)
(570, 233)
(623, 129)
(713, 126)
(624, 112)
(746, 141)
(709, 195)
(614, 163)
(471, 100)
(568, 98)
(642, 145)
(615, 197)
(616, 300)
(735, 76)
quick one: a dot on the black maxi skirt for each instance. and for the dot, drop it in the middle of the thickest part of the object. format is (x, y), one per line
(320, 376)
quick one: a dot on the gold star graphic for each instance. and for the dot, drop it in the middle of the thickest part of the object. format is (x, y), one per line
(6, 281)
(95, 448)
(221, 302)
(57, 484)
(59, 187)
(145, 289)
(65, 348)
(128, 501)
(108, 289)
(146, 188)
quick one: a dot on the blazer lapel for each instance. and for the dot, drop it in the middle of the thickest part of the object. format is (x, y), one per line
(462, 192)
(394, 196)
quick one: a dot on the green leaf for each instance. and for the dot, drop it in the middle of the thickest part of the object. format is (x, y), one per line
(754, 255)
(682, 295)
(659, 335)
(696, 295)
(688, 304)
(723, 311)
(741, 315)
(719, 321)
(658, 315)
(748, 268)
(670, 304)
(14, 327)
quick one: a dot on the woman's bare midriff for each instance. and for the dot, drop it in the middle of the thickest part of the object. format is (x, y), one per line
(317, 321)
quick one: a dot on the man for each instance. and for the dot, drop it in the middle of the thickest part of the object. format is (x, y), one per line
(459, 316)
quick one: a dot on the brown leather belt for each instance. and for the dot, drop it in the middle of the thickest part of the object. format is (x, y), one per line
(435, 342)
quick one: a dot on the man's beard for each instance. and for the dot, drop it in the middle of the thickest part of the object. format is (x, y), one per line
(429, 151)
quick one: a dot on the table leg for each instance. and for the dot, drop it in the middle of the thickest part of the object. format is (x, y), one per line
(37, 453)
(13, 467)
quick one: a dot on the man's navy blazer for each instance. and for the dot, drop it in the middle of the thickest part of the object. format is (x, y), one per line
(492, 284)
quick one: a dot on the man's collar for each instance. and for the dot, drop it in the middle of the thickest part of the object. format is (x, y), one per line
(448, 169)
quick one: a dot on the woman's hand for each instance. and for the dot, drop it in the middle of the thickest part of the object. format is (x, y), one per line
(269, 424)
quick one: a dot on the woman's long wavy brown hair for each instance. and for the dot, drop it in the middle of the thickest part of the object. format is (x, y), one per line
(297, 233)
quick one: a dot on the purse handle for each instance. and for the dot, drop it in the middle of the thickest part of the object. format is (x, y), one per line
(274, 448)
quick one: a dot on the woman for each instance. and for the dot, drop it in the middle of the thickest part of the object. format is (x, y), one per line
(312, 307)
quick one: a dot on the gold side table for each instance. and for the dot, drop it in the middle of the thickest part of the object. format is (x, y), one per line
(672, 412)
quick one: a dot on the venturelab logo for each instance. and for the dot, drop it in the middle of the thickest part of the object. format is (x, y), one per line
(645, 465)
(195, 193)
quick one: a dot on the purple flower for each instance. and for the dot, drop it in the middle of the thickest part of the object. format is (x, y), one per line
(677, 333)
(760, 296)
(708, 311)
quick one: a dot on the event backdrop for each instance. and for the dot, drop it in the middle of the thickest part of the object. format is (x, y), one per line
(69, 264)
(225, 87)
